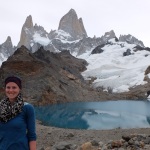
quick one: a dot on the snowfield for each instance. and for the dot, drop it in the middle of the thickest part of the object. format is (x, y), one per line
(115, 71)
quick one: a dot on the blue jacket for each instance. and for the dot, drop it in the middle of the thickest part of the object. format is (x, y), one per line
(17, 132)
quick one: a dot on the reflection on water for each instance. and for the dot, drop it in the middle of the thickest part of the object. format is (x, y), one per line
(96, 115)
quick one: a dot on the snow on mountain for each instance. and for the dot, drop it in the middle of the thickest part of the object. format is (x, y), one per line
(41, 40)
(2, 58)
(57, 34)
(114, 70)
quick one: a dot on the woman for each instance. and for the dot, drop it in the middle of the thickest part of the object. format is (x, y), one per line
(17, 119)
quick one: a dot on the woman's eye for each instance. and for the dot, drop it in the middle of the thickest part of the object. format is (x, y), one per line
(8, 87)
(13, 87)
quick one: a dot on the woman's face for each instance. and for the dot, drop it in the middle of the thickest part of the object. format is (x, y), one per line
(12, 90)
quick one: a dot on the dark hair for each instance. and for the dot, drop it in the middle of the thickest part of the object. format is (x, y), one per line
(14, 79)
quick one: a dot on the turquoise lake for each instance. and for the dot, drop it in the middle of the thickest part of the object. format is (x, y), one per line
(96, 115)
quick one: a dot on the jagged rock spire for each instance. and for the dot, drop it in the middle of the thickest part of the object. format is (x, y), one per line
(72, 25)
(82, 26)
(110, 34)
(8, 42)
(7, 47)
(28, 23)
(26, 33)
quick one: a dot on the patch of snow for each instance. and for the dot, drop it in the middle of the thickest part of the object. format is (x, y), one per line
(2, 58)
(63, 33)
(41, 40)
(63, 40)
(148, 75)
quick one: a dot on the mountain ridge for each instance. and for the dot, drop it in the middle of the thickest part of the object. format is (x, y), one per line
(71, 35)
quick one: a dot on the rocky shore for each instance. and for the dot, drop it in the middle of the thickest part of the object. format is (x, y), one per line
(52, 138)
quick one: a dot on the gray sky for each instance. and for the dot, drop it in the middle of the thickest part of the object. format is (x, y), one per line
(99, 16)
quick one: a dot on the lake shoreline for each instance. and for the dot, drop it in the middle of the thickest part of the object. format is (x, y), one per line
(48, 136)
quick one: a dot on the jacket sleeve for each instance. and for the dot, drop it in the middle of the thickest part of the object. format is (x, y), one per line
(31, 129)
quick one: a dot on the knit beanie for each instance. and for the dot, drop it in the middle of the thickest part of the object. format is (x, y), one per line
(14, 79)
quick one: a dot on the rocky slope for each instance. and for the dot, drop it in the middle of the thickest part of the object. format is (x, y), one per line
(49, 78)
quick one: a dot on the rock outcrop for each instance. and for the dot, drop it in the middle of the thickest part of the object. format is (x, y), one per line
(72, 25)
(98, 49)
(131, 40)
(108, 35)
